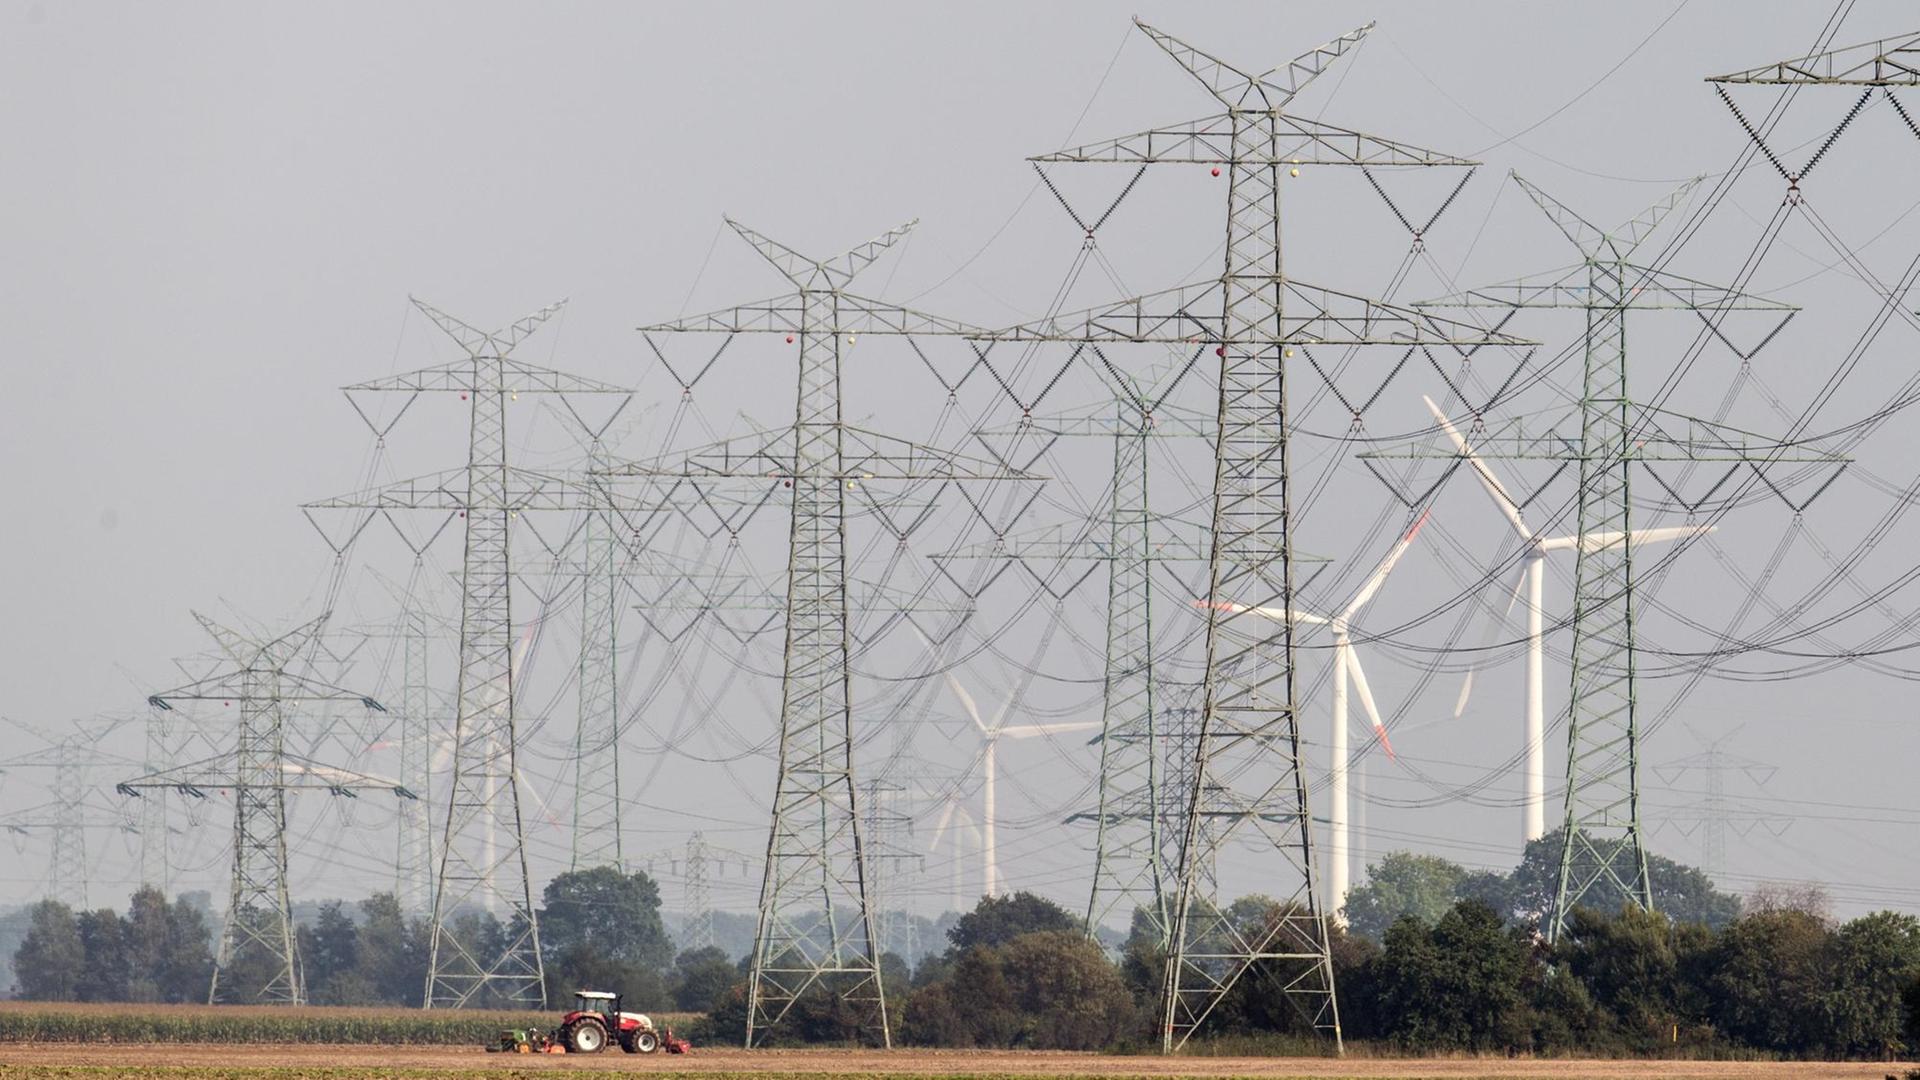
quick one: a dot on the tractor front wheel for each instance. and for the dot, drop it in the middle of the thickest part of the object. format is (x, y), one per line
(587, 1037)
(640, 1042)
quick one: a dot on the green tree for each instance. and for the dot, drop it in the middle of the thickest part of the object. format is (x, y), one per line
(701, 977)
(1401, 884)
(601, 929)
(106, 967)
(1051, 989)
(1635, 967)
(187, 969)
(330, 953)
(1765, 985)
(168, 949)
(1871, 960)
(996, 920)
(149, 934)
(1458, 985)
(392, 958)
(1683, 893)
(48, 964)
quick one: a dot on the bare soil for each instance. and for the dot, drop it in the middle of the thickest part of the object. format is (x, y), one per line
(39, 1057)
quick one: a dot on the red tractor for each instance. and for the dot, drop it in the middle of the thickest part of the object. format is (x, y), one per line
(597, 1020)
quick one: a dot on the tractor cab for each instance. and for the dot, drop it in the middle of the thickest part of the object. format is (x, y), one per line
(597, 1019)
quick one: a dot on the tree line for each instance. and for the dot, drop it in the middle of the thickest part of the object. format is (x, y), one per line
(600, 928)
(1432, 958)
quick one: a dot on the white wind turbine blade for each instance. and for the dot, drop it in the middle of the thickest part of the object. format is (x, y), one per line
(940, 826)
(968, 826)
(1379, 577)
(1601, 541)
(1501, 497)
(1359, 677)
(546, 810)
(1274, 613)
(966, 700)
(1493, 627)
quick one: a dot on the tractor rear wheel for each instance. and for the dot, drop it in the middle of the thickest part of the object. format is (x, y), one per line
(640, 1042)
(587, 1037)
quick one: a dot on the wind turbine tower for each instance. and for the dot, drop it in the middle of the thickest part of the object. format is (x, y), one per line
(1603, 858)
(1533, 816)
(1349, 678)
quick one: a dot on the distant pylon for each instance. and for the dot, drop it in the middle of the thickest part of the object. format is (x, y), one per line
(816, 931)
(1603, 854)
(259, 773)
(887, 855)
(597, 817)
(697, 931)
(67, 819)
(482, 855)
(413, 864)
(1713, 816)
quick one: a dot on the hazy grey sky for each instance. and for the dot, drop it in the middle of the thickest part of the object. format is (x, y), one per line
(213, 214)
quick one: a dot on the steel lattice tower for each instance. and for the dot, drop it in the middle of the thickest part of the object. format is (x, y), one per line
(259, 773)
(68, 866)
(1132, 841)
(67, 818)
(697, 930)
(1249, 779)
(816, 926)
(482, 853)
(596, 800)
(1604, 852)
(413, 862)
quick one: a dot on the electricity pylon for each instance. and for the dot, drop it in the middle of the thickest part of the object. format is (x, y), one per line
(596, 780)
(1130, 867)
(414, 629)
(68, 818)
(259, 773)
(1713, 816)
(815, 856)
(889, 850)
(413, 861)
(1603, 858)
(1249, 778)
(482, 854)
(696, 932)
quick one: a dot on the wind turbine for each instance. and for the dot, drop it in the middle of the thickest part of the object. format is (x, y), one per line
(955, 812)
(1533, 580)
(1347, 673)
(991, 734)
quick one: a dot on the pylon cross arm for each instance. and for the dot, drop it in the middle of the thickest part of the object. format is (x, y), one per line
(525, 489)
(864, 455)
(1640, 287)
(1311, 315)
(1891, 61)
(1296, 141)
(853, 315)
(516, 377)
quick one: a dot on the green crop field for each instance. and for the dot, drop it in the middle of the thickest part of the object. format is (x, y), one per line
(40, 1022)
